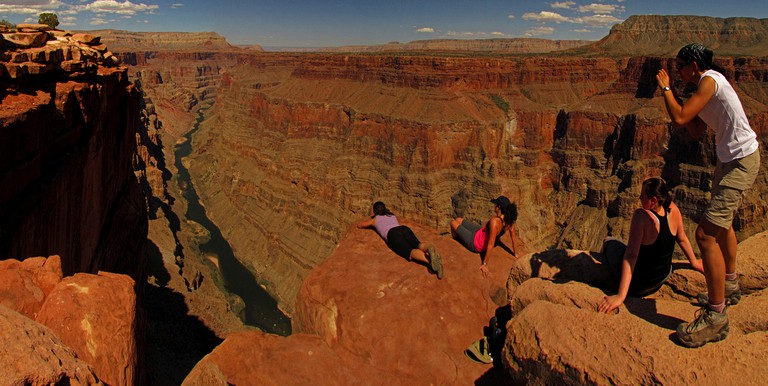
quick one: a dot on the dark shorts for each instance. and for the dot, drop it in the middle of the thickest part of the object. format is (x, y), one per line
(401, 240)
(613, 251)
(465, 233)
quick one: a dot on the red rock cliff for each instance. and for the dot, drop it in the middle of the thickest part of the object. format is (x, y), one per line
(69, 188)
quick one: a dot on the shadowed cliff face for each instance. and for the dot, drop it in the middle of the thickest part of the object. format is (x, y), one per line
(297, 146)
(68, 183)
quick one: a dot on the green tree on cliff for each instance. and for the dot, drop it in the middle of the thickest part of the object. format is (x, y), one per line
(49, 18)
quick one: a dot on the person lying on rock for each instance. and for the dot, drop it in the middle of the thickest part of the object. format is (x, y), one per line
(714, 104)
(483, 239)
(643, 264)
(401, 239)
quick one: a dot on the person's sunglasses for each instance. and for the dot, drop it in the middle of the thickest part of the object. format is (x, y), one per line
(680, 65)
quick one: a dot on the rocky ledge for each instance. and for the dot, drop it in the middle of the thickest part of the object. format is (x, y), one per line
(34, 49)
(77, 330)
(403, 326)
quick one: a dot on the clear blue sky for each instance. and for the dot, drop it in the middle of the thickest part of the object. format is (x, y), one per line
(309, 23)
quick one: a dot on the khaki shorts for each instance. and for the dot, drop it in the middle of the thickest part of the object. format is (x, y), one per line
(728, 186)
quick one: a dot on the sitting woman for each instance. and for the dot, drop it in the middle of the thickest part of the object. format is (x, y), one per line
(483, 239)
(645, 263)
(401, 240)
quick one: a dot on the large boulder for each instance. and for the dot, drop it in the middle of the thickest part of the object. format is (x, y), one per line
(24, 285)
(256, 358)
(96, 316)
(366, 315)
(556, 335)
(31, 354)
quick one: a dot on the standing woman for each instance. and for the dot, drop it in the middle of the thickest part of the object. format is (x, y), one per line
(483, 239)
(645, 263)
(715, 104)
(401, 240)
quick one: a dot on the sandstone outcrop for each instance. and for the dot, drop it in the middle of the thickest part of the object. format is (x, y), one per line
(36, 49)
(24, 285)
(636, 345)
(66, 167)
(32, 355)
(97, 316)
(93, 327)
(402, 325)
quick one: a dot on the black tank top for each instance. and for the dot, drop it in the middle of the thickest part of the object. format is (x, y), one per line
(654, 261)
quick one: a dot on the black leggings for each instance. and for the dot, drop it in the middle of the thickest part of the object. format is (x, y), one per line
(401, 240)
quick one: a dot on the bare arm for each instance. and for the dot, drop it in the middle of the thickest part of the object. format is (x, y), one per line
(682, 115)
(684, 242)
(495, 228)
(366, 224)
(636, 231)
(512, 239)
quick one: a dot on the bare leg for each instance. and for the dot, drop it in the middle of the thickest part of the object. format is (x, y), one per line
(419, 256)
(707, 236)
(728, 246)
(455, 225)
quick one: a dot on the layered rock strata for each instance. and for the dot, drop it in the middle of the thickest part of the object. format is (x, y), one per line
(36, 49)
(69, 147)
(569, 139)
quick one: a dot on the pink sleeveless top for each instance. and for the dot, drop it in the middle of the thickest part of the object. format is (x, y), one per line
(481, 236)
(383, 224)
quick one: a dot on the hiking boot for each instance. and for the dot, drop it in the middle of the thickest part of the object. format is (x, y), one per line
(732, 294)
(435, 262)
(707, 326)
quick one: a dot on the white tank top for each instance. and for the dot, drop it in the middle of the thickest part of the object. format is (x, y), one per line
(724, 113)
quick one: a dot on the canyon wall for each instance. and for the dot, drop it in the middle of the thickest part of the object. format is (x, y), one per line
(69, 186)
(295, 147)
(73, 187)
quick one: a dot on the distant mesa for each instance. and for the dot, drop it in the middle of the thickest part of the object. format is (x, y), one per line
(127, 41)
(657, 35)
(511, 46)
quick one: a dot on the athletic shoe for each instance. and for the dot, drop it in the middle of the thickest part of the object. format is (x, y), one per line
(707, 326)
(732, 294)
(435, 262)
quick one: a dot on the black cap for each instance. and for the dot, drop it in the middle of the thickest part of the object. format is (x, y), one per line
(502, 201)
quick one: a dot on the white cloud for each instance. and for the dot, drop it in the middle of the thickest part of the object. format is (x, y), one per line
(462, 34)
(425, 30)
(582, 30)
(545, 16)
(100, 21)
(539, 31)
(176, 5)
(511, 16)
(597, 8)
(563, 4)
(598, 20)
(124, 8)
(475, 34)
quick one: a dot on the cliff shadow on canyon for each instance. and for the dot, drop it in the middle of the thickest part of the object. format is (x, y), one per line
(176, 340)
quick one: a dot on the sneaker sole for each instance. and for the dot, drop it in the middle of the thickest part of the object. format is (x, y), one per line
(435, 261)
(722, 334)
